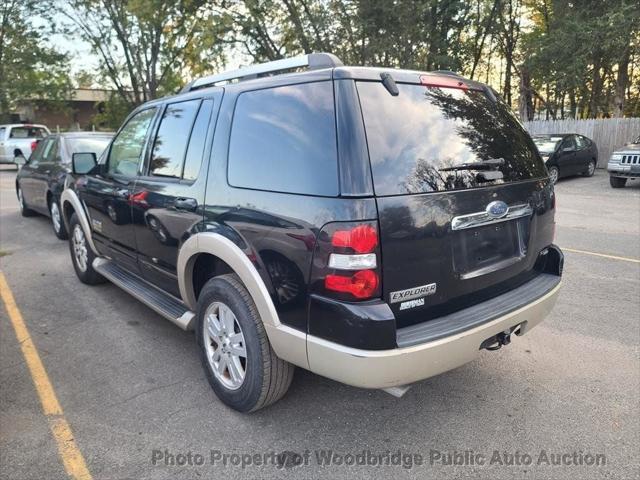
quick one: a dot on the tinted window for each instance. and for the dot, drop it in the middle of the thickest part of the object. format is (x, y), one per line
(51, 153)
(28, 132)
(547, 145)
(170, 145)
(196, 143)
(126, 149)
(419, 139)
(582, 142)
(569, 143)
(283, 139)
(43, 147)
(87, 145)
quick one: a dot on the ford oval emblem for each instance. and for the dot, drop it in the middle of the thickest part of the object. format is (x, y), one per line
(497, 209)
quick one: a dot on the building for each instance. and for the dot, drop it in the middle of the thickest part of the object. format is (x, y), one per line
(76, 113)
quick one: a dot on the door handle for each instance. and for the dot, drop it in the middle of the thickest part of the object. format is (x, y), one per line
(188, 204)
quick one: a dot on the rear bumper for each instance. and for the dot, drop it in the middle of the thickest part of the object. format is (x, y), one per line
(401, 366)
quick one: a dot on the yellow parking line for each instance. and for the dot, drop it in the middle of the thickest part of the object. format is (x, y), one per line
(613, 257)
(72, 459)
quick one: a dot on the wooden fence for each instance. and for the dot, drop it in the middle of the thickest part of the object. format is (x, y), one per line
(608, 133)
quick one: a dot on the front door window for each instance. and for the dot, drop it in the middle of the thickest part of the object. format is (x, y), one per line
(127, 147)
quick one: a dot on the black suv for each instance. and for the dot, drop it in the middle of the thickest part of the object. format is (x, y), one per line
(374, 226)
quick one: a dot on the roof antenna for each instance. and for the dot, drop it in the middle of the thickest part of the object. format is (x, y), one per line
(390, 84)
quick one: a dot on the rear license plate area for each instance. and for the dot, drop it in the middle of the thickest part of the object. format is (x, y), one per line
(484, 249)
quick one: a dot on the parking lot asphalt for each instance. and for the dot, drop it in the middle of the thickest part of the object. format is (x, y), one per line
(132, 389)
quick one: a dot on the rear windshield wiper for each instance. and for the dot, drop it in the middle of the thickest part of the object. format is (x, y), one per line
(491, 163)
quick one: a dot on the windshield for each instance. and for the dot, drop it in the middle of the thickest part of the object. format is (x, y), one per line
(436, 139)
(88, 145)
(547, 145)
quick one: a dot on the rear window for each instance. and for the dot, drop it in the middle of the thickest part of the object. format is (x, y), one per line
(28, 132)
(87, 145)
(424, 139)
(283, 139)
(547, 145)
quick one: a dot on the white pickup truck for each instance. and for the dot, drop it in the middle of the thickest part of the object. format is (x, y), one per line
(18, 140)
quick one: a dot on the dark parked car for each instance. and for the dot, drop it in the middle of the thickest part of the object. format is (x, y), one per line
(624, 164)
(40, 181)
(374, 226)
(567, 154)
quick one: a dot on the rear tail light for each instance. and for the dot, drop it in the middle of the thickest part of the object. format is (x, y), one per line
(362, 239)
(346, 261)
(362, 284)
(34, 145)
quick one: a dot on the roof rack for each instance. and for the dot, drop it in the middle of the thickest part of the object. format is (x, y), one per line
(312, 61)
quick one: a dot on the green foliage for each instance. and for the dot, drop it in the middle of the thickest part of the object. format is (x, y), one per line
(143, 45)
(560, 57)
(576, 53)
(111, 113)
(28, 68)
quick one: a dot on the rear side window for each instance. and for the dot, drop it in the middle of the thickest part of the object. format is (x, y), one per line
(283, 139)
(44, 146)
(582, 142)
(28, 132)
(423, 139)
(195, 150)
(170, 144)
(51, 153)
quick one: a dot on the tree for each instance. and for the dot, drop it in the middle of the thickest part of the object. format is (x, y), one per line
(28, 68)
(580, 55)
(144, 45)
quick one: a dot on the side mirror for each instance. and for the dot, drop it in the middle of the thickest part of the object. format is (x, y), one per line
(83, 163)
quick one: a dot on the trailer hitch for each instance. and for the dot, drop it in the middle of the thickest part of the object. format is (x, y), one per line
(499, 340)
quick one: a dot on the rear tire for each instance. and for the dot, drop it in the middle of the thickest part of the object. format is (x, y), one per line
(82, 256)
(246, 376)
(24, 210)
(591, 169)
(554, 174)
(617, 182)
(56, 220)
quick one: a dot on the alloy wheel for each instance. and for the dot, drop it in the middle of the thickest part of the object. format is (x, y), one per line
(55, 216)
(225, 345)
(79, 243)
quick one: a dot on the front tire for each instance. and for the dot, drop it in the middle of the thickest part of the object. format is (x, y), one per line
(24, 210)
(554, 174)
(240, 365)
(56, 220)
(617, 182)
(82, 256)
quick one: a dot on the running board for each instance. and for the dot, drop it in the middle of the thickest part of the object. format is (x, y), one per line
(166, 305)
